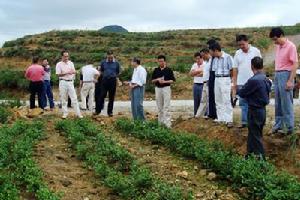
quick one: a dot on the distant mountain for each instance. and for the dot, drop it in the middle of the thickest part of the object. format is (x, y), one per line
(114, 29)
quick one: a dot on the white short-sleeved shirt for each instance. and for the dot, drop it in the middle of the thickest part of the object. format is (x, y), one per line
(242, 61)
(63, 67)
(198, 79)
(139, 76)
(206, 70)
(89, 73)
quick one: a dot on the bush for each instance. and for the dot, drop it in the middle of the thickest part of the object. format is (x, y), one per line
(4, 114)
(13, 79)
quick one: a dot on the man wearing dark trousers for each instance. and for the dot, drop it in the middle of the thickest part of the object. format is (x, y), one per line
(256, 93)
(109, 70)
(212, 111)
(35, 73)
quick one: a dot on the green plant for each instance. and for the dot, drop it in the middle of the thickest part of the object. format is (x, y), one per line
(115, 165)
(16, 147)
(4, 114)
(260, 178)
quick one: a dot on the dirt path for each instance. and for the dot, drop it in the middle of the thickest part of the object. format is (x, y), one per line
(269, 56)
(65, 173)
(173, 169)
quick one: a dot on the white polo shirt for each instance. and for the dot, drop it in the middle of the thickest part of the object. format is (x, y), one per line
(63, 67)
(88, 73)
(139, 76)
(242, 62)
(195, 66)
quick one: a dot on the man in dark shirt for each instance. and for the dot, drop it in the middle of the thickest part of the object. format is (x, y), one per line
(256, 92)
(163, 77)
(109, 70)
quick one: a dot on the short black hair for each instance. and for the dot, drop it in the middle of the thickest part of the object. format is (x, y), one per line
(110, 52)
(197, 54)
(215, 47)
(161, 57)
(205, 50)
(35, 59)
(63, 52)
(257, 62)
(136, 60)
(276, 32)
(211, 41)
(241, 37)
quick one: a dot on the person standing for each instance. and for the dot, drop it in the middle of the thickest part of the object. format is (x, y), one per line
(66, 72)
(222, 65)
(163, 77)
(256, 92)
(35, 74)
(286, 63)
(137, 87)
(110, 70)
(204, 105)
(89, 78)
(242, 72)
(197, 73)
(47, 85)
(212, 112)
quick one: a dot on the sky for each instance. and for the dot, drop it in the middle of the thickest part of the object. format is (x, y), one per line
(22, 17)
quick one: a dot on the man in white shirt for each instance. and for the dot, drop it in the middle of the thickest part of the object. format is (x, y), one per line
(66, 72)
(137, 86)
(197, 73)
(222, 65)
(242, 72)
(89, 78)
(203, 108)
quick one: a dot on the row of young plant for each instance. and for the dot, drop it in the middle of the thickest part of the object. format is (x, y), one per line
(114, 165)
(19, 173)
(260, 179)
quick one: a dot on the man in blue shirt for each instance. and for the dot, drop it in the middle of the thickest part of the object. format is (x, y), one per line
(256, 92)
(109, 70)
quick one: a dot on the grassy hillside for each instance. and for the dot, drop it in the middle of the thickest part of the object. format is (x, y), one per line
(178, 45)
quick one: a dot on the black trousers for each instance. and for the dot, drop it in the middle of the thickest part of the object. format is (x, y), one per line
(256, 122)
(108, 86)
(212, 111)
(99, 106)
(36, 88)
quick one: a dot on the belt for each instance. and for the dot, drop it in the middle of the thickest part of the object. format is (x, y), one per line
(282, 71)
(219, 76)
(65, 80)
(87, 81)
(198, 83)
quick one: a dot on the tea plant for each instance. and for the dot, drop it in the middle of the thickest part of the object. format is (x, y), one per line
(260, 178)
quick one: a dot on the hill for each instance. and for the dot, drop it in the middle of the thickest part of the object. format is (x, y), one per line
(114, 29)
(178, 45)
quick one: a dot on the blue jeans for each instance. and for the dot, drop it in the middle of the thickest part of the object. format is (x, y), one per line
(137, 98)
(244, 108)
(197, 93)
(47, 94)
(284, 111)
